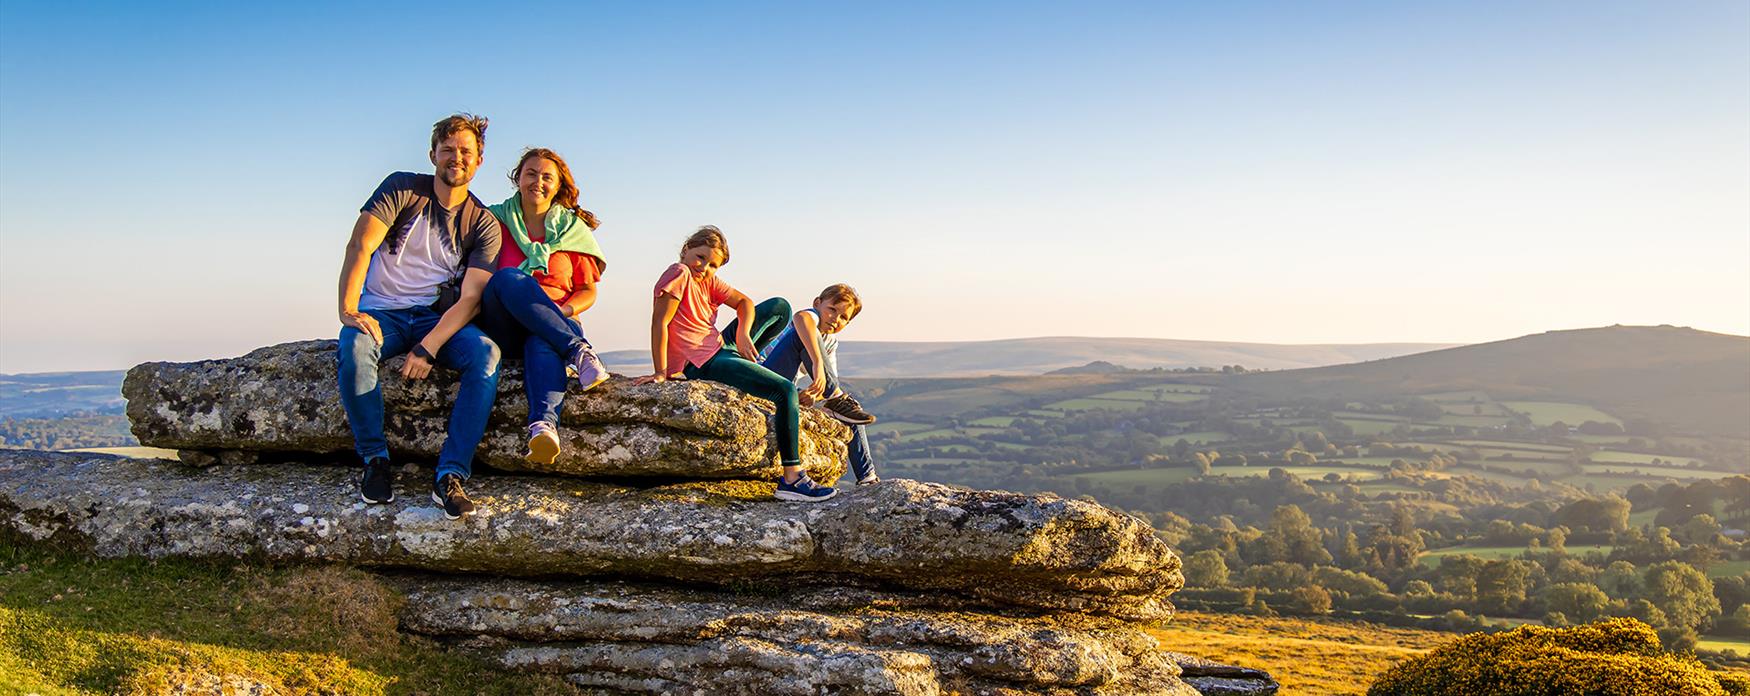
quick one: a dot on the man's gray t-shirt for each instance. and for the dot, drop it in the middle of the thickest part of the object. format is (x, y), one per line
(427, 244)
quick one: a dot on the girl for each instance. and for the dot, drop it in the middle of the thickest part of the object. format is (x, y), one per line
(548, 265)
(685, 344)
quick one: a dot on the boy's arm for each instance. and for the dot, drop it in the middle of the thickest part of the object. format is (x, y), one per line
(743, 320)
(367, 234)
(662, 312)
(808, 331)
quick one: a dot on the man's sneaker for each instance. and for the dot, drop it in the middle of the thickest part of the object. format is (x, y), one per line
(804, 490)
(846, 410)
(543, 443)
(447, 493)
(378, 483)
(589, 369)
(868, 480)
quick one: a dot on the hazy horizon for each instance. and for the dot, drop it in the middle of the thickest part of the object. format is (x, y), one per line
(177, 182)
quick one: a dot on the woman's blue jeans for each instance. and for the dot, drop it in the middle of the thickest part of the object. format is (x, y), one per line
(516, 312)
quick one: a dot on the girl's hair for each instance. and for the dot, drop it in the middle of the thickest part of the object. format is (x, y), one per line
(567, 195)
(840, 291)
(709, 236)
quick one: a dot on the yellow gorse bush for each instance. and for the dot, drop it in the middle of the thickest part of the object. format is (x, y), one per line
(1615, 657)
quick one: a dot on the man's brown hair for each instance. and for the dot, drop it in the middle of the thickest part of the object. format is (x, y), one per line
(457, 124)
(841, 291)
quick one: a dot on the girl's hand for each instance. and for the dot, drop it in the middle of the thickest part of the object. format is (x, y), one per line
(658, 379)
(744, 348)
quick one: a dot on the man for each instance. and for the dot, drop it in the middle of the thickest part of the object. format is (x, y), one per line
(416, 239)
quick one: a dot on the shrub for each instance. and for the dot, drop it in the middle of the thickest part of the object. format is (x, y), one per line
(1617, 657)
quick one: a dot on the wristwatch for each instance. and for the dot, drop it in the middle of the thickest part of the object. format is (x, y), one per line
(419, 350)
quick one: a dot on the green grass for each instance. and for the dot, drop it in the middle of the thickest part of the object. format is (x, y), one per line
(1359, 415)
(1638, 458)
(1655, 471)
(1471, 421)
(72, 625)
(1600, 439)
(1199, 437)
(901, 427)
(1370, 427)
(1507, 456)
(1432, 558)
(1090, 404)
(1151, 395)
(1544, 413)
(1727, 569)
(1370, 462)
(1724, 643)
(995, 421)
(927, 434)
(1509, 479)
(1167, 476)
(1510, 445)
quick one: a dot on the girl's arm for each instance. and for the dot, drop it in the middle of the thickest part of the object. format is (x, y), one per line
(808, 331)
(662, 312)
(743, 320)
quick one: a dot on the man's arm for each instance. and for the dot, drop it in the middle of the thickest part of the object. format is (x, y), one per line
(473, 284)
(367, 234)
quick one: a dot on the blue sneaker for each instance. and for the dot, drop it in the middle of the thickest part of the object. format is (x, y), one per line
(804, 490)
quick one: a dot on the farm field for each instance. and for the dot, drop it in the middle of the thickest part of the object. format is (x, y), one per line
(1472, 421)
(1164, 476)
(1358, 415)
(1155, 394)
(1091, 403)
(901, 427)
(1655, 471)
(1726, 569)
(1308, 656)
(1370, 427)
(995, 421)
(1431, 559)
(1724, 643)
(1544, 413)
(1507, 444)
(1638, 458)
(1200, 437)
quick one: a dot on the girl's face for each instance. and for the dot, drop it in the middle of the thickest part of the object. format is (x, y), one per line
(539, 181)
(702, 260)
(833, 315)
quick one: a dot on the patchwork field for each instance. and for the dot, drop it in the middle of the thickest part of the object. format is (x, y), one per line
(1544, 413)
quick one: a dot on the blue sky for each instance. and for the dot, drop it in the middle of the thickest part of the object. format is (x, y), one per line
(176, 181)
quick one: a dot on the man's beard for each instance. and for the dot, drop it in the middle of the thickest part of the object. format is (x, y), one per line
(460, 178)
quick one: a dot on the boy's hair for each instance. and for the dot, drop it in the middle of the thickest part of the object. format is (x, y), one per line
(457, 124)
(841, 291)
(709, 236)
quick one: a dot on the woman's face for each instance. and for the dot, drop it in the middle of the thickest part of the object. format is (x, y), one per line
(702, 260)
(539, 181)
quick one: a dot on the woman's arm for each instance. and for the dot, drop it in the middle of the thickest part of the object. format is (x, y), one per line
(662, 312)
(582, 297)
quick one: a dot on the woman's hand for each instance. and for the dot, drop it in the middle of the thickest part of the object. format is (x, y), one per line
(415, 367)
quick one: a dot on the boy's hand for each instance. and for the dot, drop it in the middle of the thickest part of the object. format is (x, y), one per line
(415, 367)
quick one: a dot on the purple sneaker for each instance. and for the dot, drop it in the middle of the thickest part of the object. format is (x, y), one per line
(589, 369)
(543, 443)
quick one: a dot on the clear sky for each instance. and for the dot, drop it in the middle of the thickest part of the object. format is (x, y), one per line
(177, 181)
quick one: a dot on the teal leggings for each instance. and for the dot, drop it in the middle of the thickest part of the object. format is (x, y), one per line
(727, 367)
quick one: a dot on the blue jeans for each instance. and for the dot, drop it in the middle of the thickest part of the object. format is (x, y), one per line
(516, 312)
(787, 358)
(361, 393)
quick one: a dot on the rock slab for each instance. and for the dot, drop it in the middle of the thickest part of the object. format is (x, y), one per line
(285, 399)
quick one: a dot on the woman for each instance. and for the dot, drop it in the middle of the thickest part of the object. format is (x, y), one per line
(549, 264)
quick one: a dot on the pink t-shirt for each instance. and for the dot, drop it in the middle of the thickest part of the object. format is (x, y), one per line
(692, 334)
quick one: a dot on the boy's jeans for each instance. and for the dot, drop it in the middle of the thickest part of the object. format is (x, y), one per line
(787, 358)
(469, 352)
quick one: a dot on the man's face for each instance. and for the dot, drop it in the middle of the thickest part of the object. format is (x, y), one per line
(457, 158)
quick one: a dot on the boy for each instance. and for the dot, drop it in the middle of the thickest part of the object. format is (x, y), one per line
(811, 341)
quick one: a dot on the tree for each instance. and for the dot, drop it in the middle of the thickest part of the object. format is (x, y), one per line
(1202, 463)
(1620, 580)
(1292, 538)
(1702, 529)
(1683, 593)
(1594, 514)
(1501, 586)
(1577, 602)
(1205, 568)
(1310, 599)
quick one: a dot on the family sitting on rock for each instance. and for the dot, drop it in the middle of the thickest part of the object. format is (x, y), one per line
(429, 273)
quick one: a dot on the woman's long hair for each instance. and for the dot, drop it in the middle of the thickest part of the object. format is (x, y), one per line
(568, 193)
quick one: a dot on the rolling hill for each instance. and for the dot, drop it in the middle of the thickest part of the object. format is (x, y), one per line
(1690, 379)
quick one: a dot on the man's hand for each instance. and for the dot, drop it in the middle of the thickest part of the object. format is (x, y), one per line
(415, 367)
(363, 322)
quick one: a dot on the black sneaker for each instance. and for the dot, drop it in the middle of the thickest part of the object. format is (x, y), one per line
(846, 410)
(447, 493)
(378, 483)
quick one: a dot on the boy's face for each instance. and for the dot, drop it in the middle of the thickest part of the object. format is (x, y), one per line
(833, 315)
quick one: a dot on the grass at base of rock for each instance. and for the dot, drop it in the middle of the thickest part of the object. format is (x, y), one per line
(72, 625)
(1308, 656)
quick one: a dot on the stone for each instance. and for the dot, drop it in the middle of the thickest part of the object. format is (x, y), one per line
(285, 399)
(637, 638)
(976, 547)
(1212, 678)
